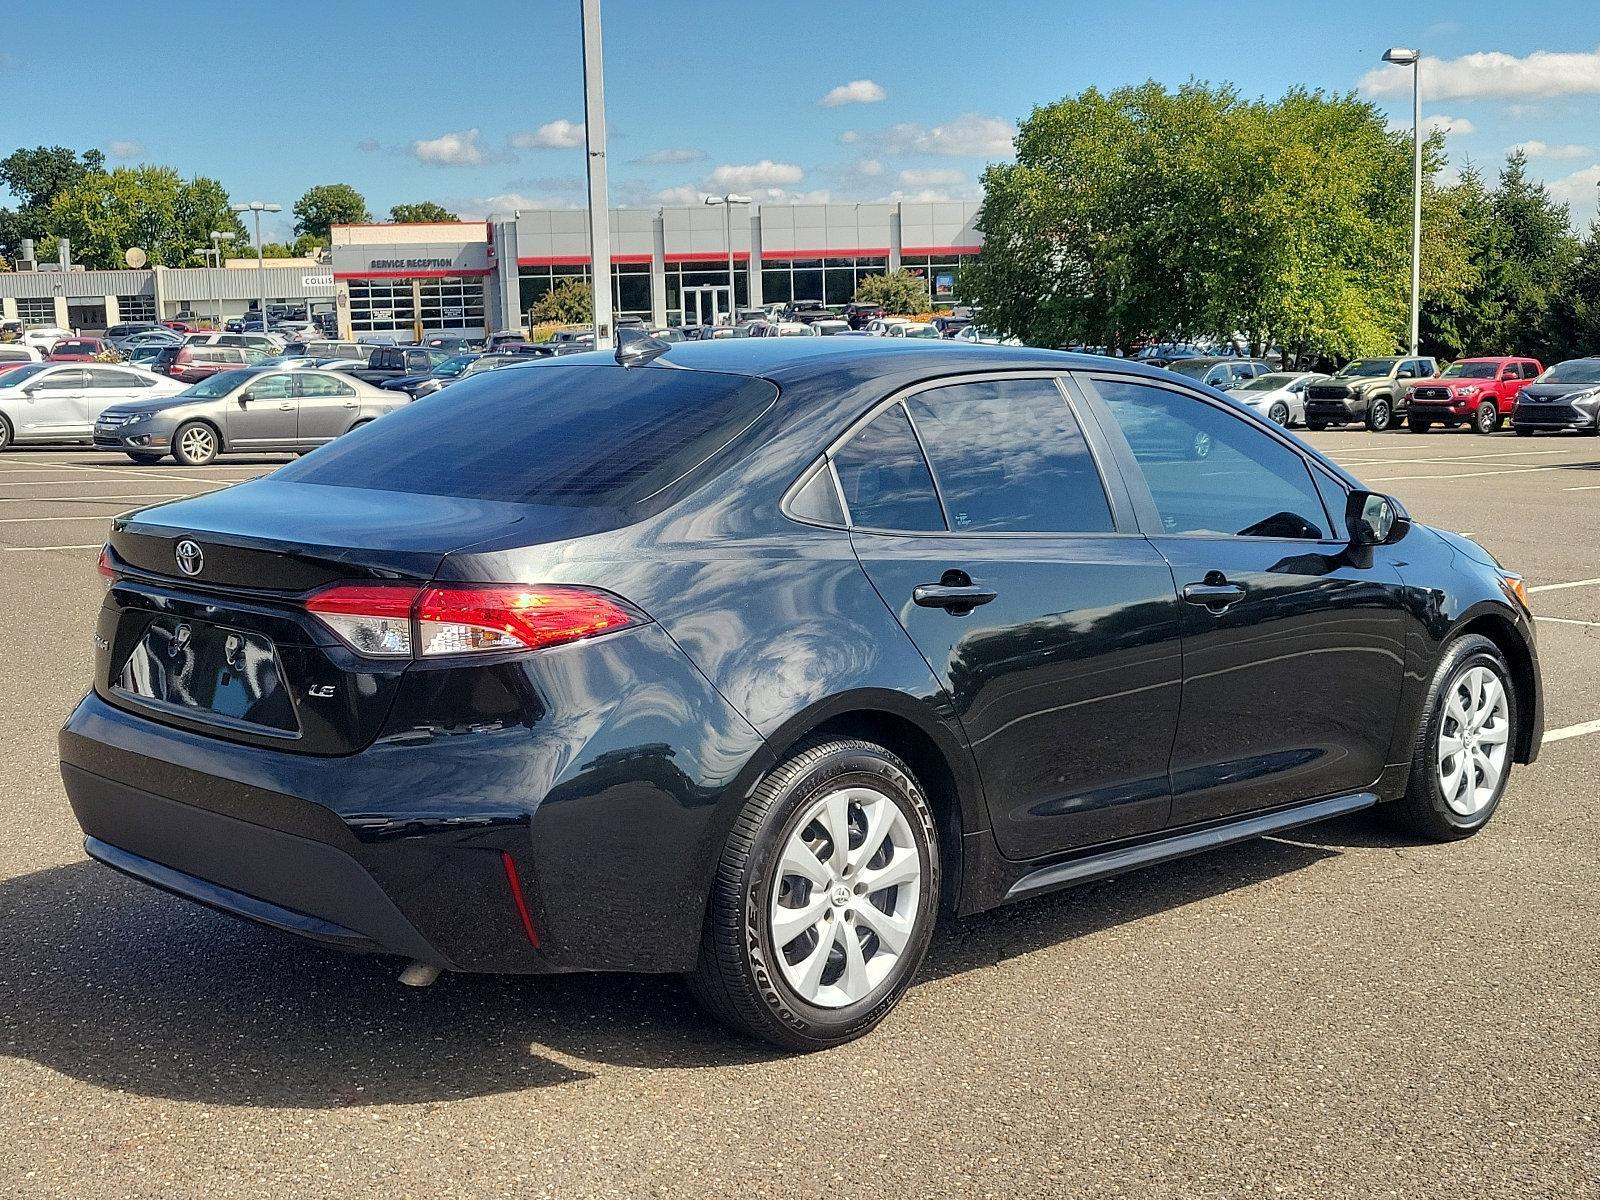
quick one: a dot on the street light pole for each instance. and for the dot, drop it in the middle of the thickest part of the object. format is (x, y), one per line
(594, 137)
(258, 207)
(217, 238)
(727, 203)
(1402, 57)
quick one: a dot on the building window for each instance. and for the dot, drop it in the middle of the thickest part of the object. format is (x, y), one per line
(452, 303)
(36, 310)
(381, 306)
(137, 308)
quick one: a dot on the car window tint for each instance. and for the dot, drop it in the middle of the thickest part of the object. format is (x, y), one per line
(1010, 458)
(272, 387)
(104, 377)
(1211, 472)
(322, 385)
(884, 477)
(61, 380)
(579, 435)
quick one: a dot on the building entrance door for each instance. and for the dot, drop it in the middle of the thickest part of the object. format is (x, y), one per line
(707, 305)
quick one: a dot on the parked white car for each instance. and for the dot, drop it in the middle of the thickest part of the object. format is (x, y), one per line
(829, 327)
(976, 333)
(16, 352)
(792, 329)
(60, 402)
(43, 338)
(900, 327)
(1280, 396)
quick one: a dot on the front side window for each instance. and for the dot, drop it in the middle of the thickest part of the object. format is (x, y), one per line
(885, 479)
(107, 377)
(61, 381)
(1010, 458)
(1210, 472)
(272, 387)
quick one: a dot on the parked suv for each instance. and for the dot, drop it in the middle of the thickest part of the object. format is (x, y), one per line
(1567, 396)
(1480, 390)
(191, 364)
(806, 311)
(859, 314)
(1368, 389)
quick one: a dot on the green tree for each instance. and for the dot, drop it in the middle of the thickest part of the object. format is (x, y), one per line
(326, 205)
(420, 213)
(277, 250)
(106, 213)
(36, 177)
(898, 292)
(571, 303)
(1193, 213)
(1573, 324)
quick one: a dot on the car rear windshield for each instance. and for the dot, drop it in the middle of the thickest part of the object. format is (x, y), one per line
(547, 433)
(1574, 370)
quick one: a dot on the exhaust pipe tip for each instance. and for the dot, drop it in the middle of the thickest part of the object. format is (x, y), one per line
(419, 974)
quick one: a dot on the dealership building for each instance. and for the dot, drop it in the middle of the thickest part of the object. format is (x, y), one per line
(668, 266)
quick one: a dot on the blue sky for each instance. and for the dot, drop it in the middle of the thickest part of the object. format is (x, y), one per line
(479, 106)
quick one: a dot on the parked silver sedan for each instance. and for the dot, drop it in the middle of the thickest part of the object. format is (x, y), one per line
(244, 411)
(1280, 396)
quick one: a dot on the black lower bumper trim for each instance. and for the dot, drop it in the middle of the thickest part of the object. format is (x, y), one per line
(227, 900)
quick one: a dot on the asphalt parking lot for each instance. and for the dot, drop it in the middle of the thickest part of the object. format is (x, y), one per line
(1335, 1013)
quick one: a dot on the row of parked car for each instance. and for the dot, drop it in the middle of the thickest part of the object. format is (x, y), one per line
(1383, 393)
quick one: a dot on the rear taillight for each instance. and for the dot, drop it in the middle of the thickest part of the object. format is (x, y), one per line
(108, 573)
(435, 621)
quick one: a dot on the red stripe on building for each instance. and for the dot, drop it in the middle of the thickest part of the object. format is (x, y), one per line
(451, 274)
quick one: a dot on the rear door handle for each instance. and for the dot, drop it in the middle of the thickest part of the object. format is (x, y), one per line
(1215, 593)
(951, 597)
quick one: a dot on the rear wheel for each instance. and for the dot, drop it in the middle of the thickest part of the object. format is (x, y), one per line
(1380, 415)
(1461, 759)
(5, 434)
(1487, 418)
(1278, 414)
(824, 901)
(1418, 424)
(194, 444)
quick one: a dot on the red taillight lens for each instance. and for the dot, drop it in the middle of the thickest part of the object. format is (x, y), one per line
(371, 619)
(377, 620)
(469, 619)
(108, 573)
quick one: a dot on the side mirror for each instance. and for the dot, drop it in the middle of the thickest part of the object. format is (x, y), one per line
(1374, 519)
(243, 396)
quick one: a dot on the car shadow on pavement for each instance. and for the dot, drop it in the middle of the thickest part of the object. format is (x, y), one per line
(124, 988)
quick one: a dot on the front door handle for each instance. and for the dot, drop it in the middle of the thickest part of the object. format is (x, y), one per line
(1215, 593)
(951, 597)
(285, 407)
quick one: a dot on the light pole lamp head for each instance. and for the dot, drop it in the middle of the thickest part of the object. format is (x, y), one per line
(735, 198)
(1402, 57)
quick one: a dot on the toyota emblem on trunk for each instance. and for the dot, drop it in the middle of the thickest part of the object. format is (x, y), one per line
(190, 557)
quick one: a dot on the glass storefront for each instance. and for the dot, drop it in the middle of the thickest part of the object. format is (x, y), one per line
(630, 285)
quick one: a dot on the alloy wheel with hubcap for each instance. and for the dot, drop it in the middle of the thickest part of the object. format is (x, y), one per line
(1488, 417)
(1278, 414)
(195, 444)
(824, 899)
(1473, 741)
(1379, 416)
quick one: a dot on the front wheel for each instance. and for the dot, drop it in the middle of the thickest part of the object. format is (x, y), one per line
(1379, 416)
(194, 444)
(1461, 758)
(1314, 425)
(824, 900)
(1487, 418)
(1522, 432)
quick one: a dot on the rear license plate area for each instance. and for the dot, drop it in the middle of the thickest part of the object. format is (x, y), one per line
(209, 672)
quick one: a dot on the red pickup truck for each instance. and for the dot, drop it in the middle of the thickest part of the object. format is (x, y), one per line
(1480, 390)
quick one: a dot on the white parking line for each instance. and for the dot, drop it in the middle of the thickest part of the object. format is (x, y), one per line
(35, 549)
(1568, 621)
(1466, 474)
(1556, 587)
(41, 520)
(91, 499)
(1585, 487)
(1571, 731)
(1378, 462)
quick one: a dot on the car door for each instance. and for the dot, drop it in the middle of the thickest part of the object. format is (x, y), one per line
(1292, 639)
(328, 406)
(1015, 567)
(54, 404)
(263, 415)
(112, 385)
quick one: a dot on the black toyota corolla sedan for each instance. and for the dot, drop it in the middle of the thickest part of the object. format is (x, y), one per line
(747, 659)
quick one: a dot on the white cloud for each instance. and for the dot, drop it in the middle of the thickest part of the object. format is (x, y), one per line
(1538, 149)
(1580, 191)
(970, 135)
(552, 135)
(934, 177)
(857, 91)
(745, 176)
(124, 148)
(459, 149)
(671, 157)
(870, 167)
(680, 195)
(503, 204)
(1440, 123)
(1493, 75)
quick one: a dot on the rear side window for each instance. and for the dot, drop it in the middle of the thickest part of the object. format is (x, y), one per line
(885, 479)
(1010, 458)
(564, 434)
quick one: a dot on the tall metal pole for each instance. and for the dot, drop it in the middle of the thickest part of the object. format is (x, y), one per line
(594, 133)
(1416, 198)
(261, 273)
(727, 232)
